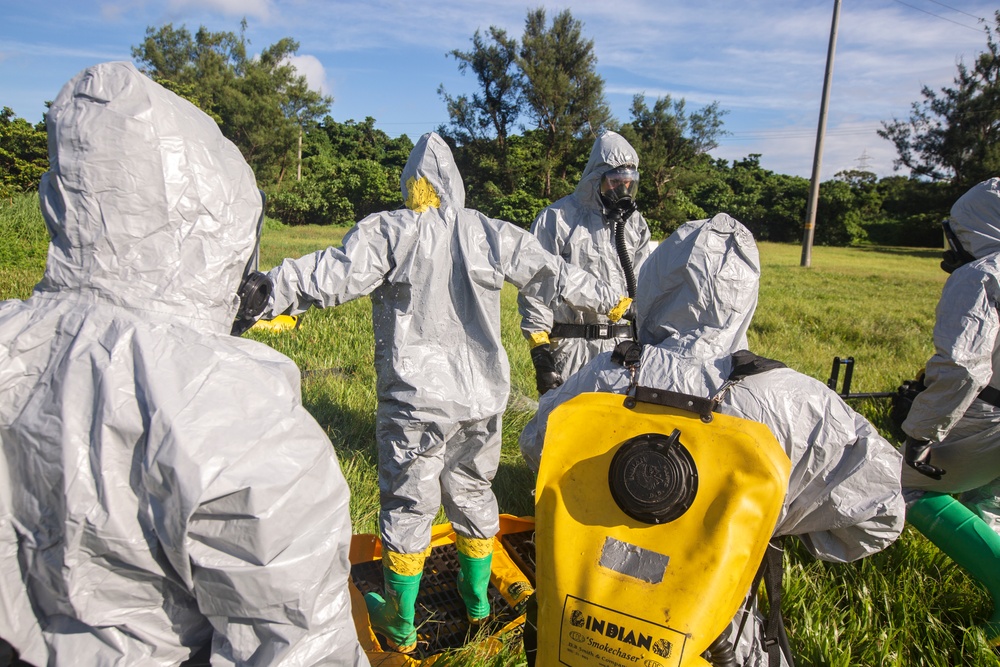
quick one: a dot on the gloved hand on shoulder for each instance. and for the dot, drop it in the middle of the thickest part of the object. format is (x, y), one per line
(917, 454)
(546, 375)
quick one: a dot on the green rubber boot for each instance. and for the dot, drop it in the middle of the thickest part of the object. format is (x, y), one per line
(394, 617)
(966, 539)
(473, 582)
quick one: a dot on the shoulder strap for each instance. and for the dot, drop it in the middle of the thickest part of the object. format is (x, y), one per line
(746, 363)
(775, 637)
(771, 572)
(628, 353)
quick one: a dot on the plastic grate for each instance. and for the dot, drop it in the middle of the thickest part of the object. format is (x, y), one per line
(521, 549)
(441, 620)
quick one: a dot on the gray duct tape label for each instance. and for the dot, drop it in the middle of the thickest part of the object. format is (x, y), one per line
(633, 561)
(591, 635)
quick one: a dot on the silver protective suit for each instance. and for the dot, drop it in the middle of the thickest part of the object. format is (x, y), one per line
(443, 377)
(697, 294)
(964, 429)
(577, 229)
(167, 488)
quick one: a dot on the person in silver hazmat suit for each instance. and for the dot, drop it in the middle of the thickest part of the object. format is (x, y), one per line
(434, 270)
(953, 426)
(696, 296)
(165, 488)
(598, 229)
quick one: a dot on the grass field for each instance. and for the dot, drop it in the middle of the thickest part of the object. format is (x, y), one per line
(908, 605)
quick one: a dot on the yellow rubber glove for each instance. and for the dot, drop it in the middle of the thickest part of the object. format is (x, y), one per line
(538, 338)
(619, 311)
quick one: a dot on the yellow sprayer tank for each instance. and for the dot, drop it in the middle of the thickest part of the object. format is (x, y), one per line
(650, 525)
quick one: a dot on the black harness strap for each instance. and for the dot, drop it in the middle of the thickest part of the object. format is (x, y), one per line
(592, 331)
(671, 399)
(775, 638)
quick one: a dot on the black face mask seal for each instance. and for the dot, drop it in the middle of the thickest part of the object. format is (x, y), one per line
(255, 288)
(955, 256)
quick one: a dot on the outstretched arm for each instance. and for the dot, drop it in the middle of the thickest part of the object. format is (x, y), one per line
(333, 276)
(540, 275)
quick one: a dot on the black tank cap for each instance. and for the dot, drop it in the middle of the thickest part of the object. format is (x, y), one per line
(653, 478)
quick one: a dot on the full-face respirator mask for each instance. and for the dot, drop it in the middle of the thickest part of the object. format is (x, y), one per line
(956, 255)
(619, 187)
(255, 288)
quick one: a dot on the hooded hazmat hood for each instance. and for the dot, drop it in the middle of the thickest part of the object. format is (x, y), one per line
(431, 163)
(700, 285)
(610, 150)
(148, 206)
(975, 219)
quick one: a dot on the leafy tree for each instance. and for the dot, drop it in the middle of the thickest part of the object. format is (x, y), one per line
(488, 116)
(522, 203)
(261, 103)
(272, 108)
(354, 140)
(565, 95)
(24, 155)
(954, 134)
(772, 206)
(349, 170)
(672, 147)
(910, 212)
(840, 218)
(201, 68)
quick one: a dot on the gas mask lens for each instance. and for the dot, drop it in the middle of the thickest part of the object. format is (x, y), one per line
(619, 186)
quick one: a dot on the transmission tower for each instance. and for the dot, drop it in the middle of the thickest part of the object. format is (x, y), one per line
(863, 160)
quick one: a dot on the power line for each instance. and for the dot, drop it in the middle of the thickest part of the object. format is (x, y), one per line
(956, 9)
(780, 135)
(943, 18)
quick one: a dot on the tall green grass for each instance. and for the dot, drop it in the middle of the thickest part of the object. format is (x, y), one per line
(23, 245)
(908, 605)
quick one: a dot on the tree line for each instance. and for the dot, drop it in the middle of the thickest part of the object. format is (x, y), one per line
(523, 136)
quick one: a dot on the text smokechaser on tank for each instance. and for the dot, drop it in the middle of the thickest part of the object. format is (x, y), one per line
(619, 632)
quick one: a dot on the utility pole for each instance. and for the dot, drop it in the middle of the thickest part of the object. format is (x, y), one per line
(298, 172)
(810, 227)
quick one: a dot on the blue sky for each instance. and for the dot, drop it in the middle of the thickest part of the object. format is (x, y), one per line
(763, 61)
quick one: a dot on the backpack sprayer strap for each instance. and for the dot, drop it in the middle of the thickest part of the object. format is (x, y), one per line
(629, 354)
(775, 638)
(672, 399)
(745, 363)
(771, 572)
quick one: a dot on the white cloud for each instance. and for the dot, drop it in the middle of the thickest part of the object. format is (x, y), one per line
(258, 9)
(312, 69)
(111, 11)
